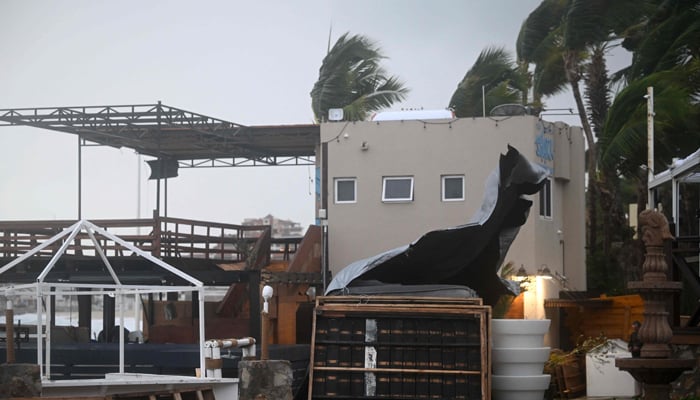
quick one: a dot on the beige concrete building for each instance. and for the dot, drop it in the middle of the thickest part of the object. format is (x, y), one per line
(384, 184)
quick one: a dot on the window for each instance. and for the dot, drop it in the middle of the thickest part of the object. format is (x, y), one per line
(452, 187)
(546, 199)
(345, 190)
(398, 188)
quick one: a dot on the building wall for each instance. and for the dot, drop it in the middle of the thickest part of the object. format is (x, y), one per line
(427, 150)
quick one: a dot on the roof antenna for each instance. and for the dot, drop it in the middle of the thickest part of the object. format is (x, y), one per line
(330, 31)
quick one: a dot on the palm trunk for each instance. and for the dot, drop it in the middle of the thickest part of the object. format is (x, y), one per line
(592, 192)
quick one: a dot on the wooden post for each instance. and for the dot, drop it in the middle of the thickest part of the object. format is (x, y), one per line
(255, 306)
(264, 333)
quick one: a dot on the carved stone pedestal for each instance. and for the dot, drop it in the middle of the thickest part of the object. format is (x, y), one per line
(655, 369)
(655, 374)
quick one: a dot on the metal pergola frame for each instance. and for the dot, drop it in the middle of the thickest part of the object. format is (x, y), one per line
(43, 290)
(686, 170)
(165, 132)
(173, 135)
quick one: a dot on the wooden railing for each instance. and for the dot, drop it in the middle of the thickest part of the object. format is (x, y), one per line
(160, 236)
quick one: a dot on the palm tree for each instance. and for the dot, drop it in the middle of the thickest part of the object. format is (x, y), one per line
(666, 56)
(351, 78)
(558, 38)
(494, 72)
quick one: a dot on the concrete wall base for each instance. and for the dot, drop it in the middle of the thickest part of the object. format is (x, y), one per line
(19, 380)
(265, 380)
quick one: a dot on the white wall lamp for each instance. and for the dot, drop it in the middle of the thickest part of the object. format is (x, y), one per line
(545, 272)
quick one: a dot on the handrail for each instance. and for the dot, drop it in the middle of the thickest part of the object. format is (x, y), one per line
(161, 236)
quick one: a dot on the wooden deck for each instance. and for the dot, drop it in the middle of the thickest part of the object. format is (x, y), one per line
(160, 236)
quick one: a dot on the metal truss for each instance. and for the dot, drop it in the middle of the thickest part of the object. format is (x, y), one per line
(166, 132)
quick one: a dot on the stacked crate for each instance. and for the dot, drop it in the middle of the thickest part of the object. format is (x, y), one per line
(400, 348)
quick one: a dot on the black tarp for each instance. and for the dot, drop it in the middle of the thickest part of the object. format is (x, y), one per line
(468, 254)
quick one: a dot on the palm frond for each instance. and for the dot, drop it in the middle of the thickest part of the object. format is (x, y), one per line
(348, 74)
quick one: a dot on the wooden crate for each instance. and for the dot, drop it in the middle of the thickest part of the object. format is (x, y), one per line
(400, 347)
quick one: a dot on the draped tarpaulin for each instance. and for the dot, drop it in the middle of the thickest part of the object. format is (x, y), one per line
(469, 254)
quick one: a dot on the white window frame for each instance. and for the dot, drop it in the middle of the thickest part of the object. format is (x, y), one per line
(445, 177)
(545, 195)
(335, 192)
(400, 199)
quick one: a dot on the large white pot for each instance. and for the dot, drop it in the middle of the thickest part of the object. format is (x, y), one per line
(519, 387)
(518, 333)
(519, 361)
(518, 355)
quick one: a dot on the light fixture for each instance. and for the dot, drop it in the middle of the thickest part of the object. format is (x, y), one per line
(267, 295)
(311, 293)
(544, 272)
(521, 275)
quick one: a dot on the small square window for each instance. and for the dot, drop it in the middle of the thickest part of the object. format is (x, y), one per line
(453, 187)
(546, 199)
(345, 190)
(398, 188)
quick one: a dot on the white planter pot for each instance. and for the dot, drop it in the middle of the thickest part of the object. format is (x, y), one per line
(519, 361)
(518, 355)
(519, 387)
(518, 333)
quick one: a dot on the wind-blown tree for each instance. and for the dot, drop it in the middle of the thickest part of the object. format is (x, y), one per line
(494, 79)
(666, 56)
(351, 78)
(559, 37)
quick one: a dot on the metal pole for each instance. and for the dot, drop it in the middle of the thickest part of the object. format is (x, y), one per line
(120, 303)
(138, 190)
(80, 180)
(483, 100)
(49, 325)
(324, 253)
(202, 322)
(10, 330)
(650, 146)
(39, 328)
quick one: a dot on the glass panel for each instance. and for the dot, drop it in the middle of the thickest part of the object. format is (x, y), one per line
(546, 199)
(345, 190)
(453, 188)
(398, 189)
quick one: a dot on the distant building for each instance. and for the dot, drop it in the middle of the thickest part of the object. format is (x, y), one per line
(281, 228)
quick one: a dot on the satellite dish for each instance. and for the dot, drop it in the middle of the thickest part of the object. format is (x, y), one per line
(335, 114)
(507, 110)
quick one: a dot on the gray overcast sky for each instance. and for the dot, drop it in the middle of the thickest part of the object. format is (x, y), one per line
(253, 63)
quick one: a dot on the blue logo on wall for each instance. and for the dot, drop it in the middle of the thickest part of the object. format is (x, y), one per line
(544, 147)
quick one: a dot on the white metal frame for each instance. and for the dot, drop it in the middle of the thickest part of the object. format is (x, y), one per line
(443, 185)
(44, 290)
(387, 179)
(354, 190)
(681, 171)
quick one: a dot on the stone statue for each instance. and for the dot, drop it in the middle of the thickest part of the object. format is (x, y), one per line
(654, 228)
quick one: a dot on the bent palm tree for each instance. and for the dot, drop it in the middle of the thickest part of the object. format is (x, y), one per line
(667, 57)
(351, 78)
(494, 72)
(559, 37)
